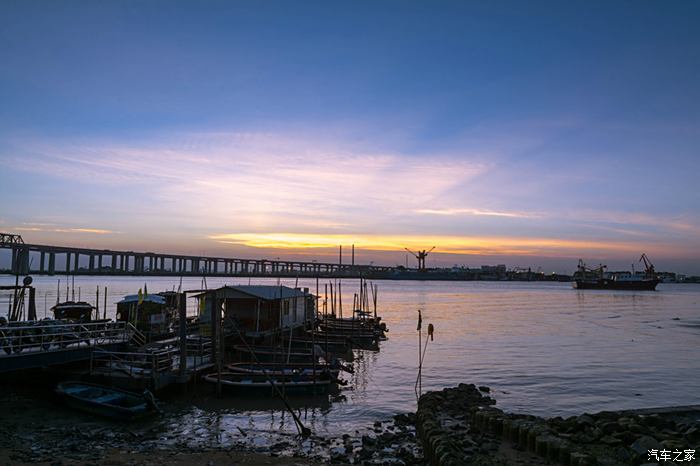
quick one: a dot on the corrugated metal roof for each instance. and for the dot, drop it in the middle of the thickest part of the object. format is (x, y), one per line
(153, 298)
(266, 292)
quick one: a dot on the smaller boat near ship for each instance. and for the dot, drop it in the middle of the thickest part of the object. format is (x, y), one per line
(598, 278)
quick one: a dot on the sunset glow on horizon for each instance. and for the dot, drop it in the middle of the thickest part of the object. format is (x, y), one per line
(448, 244)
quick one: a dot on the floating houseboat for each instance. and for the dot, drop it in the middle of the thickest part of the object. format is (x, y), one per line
(80, 311)
(259, 311)
(151, 314)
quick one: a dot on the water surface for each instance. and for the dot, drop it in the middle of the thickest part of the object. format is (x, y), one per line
(543, 348)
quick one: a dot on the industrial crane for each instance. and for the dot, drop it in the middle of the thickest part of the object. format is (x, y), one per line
(584, 270)
(421, 255)
(649, 267)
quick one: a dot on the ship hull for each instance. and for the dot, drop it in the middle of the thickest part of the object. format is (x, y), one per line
(641, 285)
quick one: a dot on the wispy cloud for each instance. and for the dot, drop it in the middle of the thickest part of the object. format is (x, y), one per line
(476, 212)
(259, 180)
(93, 231)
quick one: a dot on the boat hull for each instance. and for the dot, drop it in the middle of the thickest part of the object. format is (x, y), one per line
(275, 370)
(254, 385)
(104, 401)
(272, 354)
(640, 285)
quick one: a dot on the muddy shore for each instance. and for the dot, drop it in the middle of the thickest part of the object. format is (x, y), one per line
(36, 428)
(454, 426)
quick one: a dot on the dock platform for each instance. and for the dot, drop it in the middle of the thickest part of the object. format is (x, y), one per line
(29, 345)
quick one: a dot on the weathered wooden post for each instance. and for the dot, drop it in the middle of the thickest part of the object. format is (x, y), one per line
(182, 311)
(31, 310)
(215, 335)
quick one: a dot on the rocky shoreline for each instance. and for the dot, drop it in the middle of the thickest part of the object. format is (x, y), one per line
(461, 426)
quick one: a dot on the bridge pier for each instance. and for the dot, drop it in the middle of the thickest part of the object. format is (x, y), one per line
(138, 264)
(20, 261)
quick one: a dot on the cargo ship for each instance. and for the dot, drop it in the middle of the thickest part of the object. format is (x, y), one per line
(587, 278)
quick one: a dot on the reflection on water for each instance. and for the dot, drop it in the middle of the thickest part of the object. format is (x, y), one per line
(543, 348)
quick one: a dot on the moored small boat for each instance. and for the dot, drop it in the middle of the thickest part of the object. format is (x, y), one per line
(279, 353)
(361, 320)
(330, 346)
(357, 338)
(107, 401)
(270, 369)
(80, 311)
(261, 385)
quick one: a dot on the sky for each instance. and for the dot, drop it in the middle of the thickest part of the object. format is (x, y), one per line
(523, 133)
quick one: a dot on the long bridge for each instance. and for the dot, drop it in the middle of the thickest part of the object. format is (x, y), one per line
(41, 259)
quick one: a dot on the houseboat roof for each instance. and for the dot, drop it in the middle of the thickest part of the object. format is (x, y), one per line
(134, 298)
(73, 305)
(266, 292)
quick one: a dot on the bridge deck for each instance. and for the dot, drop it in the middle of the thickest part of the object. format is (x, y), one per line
(46, 259)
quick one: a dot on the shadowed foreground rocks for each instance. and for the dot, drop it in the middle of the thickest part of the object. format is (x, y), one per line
(461, 426)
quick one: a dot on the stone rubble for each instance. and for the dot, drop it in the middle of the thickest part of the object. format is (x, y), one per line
(461, 426)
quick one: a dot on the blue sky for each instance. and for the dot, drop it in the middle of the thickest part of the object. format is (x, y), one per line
(526, 133)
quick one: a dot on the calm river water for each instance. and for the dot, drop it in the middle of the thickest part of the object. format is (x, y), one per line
(543, 348)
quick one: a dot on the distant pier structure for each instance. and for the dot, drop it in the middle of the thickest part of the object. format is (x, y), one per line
(38, 259)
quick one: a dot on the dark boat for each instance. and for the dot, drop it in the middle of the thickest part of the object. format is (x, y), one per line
(80, 311)
(330, 346)
(357, 328)
(358, 338)
(107, 401)
(270, 369)
(597, 278)
(615, 284)
(151, 314)
(261, 385)
(279, 353)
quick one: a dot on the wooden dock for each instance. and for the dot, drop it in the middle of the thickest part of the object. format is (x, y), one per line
(29, 345)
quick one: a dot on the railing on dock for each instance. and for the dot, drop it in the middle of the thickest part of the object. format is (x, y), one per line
(152, 364)
(18, 338)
